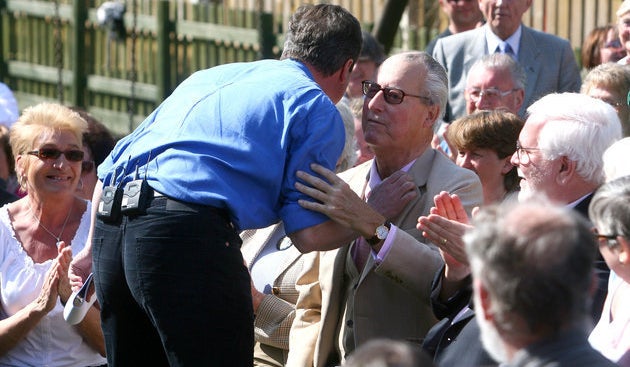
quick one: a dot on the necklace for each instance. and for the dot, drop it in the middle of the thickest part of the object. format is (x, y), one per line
(58, 238)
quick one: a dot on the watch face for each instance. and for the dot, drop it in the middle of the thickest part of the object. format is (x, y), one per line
(382, 232)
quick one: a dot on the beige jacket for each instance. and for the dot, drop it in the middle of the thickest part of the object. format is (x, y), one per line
(391, 299)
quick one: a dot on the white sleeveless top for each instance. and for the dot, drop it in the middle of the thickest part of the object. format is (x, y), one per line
(53, 342)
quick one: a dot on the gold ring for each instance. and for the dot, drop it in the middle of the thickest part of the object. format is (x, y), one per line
(444, 241)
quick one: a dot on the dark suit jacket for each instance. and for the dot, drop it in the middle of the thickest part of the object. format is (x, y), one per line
(454, 337)
(570, 349)
(549, 64)
(448, 341)
(601, 268)
(466, 349)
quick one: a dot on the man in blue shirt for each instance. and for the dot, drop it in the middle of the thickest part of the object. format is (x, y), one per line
(216, 157)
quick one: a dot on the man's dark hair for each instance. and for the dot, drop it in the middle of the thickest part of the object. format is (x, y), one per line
(324, 36)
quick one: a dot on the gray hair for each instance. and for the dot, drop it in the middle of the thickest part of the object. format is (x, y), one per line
(612, 76)
(435, 81)
(535, 260)
(610, 207)
(578, 127)
(615, 79)
(324, 36)
(502, 62)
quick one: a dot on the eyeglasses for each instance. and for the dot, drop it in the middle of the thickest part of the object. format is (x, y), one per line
(610, 239)
(612, 103)
(73, 155)
(625, 23)
(475, 94)
(87, 167)
(391, 95)
(523, 153)
(613, 44)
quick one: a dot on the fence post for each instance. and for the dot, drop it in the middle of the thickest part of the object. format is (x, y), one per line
(266, 37)
(3, 64)
(79, 71)
(387, 26)
(164, 29)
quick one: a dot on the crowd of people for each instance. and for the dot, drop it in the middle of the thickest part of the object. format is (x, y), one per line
(465, 205)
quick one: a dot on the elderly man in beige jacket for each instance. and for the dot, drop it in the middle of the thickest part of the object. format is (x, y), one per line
(378, 287)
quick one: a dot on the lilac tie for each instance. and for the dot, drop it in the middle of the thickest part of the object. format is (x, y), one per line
(360, 253)
(361, 250)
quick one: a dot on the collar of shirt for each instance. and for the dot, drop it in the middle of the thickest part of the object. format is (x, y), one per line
(624, 61)
(375, 179)
(492, 40)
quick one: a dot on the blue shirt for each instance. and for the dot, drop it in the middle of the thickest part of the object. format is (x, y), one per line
(233, 137)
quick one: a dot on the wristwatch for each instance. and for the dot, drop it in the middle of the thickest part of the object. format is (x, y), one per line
(381, 233)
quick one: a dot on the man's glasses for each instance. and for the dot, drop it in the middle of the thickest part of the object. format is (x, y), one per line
(87, 167)
(475, 94)
(391, 95)
(73, 155)
(523, 153)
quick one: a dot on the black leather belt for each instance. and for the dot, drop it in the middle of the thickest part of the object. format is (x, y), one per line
(178, 205)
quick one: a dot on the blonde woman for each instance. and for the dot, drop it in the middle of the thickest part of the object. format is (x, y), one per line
(38, 235)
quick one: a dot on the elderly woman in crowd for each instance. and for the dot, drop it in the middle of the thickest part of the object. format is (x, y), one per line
(610, 213)
(484, 143)
(38, 235)
(623, 28)
(601, 46)
(611, 83)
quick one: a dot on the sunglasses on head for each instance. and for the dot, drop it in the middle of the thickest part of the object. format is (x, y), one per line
(73, 155)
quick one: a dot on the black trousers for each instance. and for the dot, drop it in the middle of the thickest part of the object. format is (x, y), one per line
(173, 288)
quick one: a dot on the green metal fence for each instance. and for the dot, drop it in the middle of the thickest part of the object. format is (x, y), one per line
(57, 51)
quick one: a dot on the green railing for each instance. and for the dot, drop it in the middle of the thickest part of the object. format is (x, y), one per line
(57, 51)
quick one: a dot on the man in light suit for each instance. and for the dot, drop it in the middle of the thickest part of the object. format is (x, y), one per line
(274, 264)
(273, 290)
(548, 60)
(344, 301)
